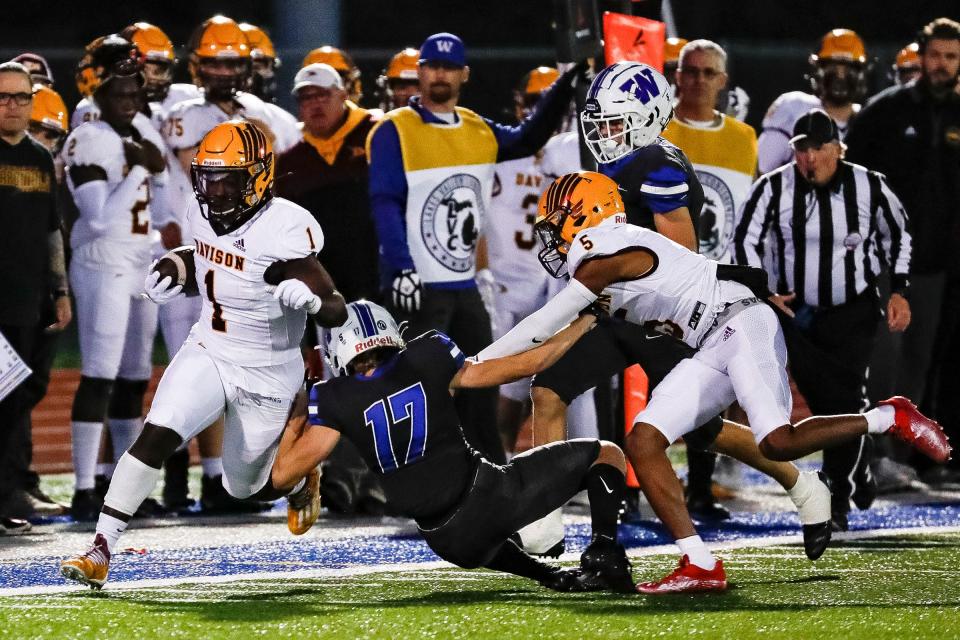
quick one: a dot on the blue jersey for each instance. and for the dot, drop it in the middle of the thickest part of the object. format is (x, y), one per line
(403, 421)
(656, 179)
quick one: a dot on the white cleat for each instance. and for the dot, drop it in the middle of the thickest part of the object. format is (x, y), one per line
(544, 537)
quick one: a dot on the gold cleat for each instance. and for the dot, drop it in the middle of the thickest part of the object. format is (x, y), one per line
(92, 567)
(303, 506)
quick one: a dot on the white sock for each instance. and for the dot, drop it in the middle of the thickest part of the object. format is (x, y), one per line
(881, 418)
(85, 447)
(697, 552)
(801, 490)
(111, 528)
(123, 433)
(132, 482)
(106, 469)
(212, 467)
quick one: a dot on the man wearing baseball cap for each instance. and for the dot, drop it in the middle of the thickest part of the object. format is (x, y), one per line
(834, 227)
(431, 176)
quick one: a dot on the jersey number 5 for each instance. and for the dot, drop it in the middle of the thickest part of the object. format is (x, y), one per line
(408, 408)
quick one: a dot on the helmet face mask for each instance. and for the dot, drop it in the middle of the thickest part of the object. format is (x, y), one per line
(553, 254)
(158, 76)
(368, 327)
(628, 106)
(221, 78)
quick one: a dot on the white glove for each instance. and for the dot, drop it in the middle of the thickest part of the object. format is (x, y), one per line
(158, 289)
(296, 294)
(406, 290)
(489, 289)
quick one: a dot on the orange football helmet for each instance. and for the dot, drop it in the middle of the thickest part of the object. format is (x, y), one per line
(572, 203)
(158, 56)
(907, 65)
(219, 41)
(343, 63)
(232, 174)
(398, 82)
(838, 70)
(105, 57)
(49, 120)
(671, 50)
(264, 61)
(532, 85)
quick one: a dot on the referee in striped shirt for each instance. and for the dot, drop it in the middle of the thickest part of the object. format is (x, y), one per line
(825, 228)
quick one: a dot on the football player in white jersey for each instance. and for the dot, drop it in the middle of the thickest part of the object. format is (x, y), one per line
(838, 79)
(242, 360)
(263, 84)
(114, 168)
(641, 276)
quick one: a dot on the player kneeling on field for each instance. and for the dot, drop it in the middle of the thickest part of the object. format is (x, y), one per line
(242, 358)
(393, 401)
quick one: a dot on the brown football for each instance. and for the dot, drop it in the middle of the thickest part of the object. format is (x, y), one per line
(307, 270)
(178, 264)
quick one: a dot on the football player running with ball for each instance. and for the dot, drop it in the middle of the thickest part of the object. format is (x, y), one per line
(393, 401)
(242, 359)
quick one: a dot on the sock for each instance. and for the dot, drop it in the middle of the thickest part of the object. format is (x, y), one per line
(85, 446)
(697, 552)
(881, 418)
(123, 433)
(802, 489)
(132, 482)
(512, 559)
(111, 528)
(212, 467)
(605, 487)
(105, 469)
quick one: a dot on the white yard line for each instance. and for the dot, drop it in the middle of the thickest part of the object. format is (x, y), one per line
(636, 552)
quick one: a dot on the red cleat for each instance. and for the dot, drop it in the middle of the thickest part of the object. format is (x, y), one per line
(918, 430)
(688, 578)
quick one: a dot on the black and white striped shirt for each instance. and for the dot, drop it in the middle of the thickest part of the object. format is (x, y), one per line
(826, 243)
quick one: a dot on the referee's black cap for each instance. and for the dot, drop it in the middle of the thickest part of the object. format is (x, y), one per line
(815, 126)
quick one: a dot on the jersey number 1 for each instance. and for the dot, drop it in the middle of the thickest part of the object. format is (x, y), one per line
(217, 323)
(406, 406)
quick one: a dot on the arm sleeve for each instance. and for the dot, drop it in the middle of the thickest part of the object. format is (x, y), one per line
(539, 326)
(388, 197)
(751, 226)
(530, 135)
(96, 203)
(893, 236)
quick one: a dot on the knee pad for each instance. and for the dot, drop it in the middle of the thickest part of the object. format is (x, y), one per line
(91, 400)
(127, 399)
(155, 444)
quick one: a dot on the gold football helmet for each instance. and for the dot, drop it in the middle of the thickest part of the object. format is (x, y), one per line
(219, 41)
(158, 58)
(343, 63)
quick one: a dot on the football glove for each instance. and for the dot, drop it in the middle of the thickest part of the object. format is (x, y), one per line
(406, 291)
(296, 294)
(158, 289)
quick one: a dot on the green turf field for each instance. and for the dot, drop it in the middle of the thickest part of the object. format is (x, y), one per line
(880, 588)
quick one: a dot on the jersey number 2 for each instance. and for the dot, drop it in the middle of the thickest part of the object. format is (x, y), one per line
(406, 406)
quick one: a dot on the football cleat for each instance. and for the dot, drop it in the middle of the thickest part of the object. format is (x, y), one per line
(917, 430)
(570, 581)
(688, 578)
(815, 515)
(607, 561)
(544, 537)
(303, 506)
(92, 567)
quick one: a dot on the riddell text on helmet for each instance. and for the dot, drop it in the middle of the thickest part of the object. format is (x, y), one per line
(378, 341)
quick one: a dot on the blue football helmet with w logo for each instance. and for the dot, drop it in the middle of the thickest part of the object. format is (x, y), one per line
(628, 105)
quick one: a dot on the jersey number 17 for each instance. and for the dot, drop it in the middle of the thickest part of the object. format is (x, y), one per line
(404, 420)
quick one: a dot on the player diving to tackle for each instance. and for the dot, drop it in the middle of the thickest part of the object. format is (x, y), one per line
(394, 402)
(740, 354)
(242, 359)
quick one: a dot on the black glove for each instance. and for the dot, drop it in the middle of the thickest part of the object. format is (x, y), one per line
(597, 310)
(406, 290)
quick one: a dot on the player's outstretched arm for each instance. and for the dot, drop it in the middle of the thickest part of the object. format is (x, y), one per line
(302, 446)
(678, 226)
(498, 371)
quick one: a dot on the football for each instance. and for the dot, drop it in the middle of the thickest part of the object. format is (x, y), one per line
(178, 264)
(306, 269)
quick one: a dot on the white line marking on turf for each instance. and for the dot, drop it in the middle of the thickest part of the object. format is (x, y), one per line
(634, 553)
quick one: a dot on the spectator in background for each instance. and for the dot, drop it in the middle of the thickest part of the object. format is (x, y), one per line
(36, 299)
(431, 175)
(326, 173)
(38, 67)
(911, 133)
(723, 152)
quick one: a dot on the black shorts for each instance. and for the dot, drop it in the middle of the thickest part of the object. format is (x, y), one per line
(611, 347)
(503, 499)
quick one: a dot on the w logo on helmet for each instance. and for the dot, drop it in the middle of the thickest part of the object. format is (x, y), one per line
(642, 85)
(445, 46)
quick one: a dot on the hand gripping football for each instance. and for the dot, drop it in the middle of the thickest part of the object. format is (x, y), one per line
(178, 264)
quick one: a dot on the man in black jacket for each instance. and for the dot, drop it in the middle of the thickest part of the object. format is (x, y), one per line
(911, 134)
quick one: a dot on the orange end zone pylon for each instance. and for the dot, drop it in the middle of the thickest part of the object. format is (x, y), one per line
(635, 394)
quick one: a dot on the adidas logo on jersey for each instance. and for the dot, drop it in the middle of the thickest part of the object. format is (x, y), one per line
(239, 245)
(727, 332)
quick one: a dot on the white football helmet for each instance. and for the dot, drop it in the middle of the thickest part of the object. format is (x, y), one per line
(368, 326)
(628, 105)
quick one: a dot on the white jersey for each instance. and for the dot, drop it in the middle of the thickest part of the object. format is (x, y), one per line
(241, 322)
(85, 111)
(88, 111)
(681, 295)
(126, 238)
(512, 244)
(190, 120)
(777, 129)
(561, 155)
